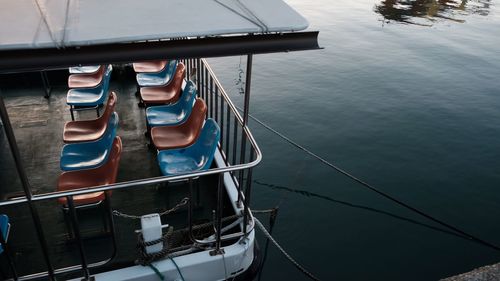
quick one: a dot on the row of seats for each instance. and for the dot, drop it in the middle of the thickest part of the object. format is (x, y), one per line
(185, 141)
(92, 151)
(89, 87)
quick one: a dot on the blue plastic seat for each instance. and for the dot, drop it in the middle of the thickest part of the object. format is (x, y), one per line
(175, 113)
(90, 97)
(157, 79)
(88, 155)
(4, 229)
(198, 156)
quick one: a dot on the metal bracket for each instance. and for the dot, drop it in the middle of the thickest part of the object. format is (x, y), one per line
(217, 252)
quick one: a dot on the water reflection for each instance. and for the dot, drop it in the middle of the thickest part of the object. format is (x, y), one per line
(357, 206)
(427, 12)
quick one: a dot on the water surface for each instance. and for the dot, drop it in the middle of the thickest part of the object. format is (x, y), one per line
(405, 95)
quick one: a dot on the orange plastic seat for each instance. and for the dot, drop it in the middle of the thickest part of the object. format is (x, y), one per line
(149, 66)
(87, 80)
(90, 130)
(103, 175)
(182, 135)
(165, 94)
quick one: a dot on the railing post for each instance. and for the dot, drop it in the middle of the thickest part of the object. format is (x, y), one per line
(76, 229)
(26, 186)
(246, 108)
(248, 193)
(220, 206)
(190, 211)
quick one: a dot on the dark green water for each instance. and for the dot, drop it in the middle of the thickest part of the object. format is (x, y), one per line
(405, 95)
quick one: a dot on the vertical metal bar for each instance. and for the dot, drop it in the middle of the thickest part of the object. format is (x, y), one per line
(46, 84)
(228, 127)
(76, 230)
(248, 193)
(202, 92)
(235, 138)
(220, 206)
(212, 114)
(107, 201)
(247, 89)
(221, 122)
(190, 211)
(202, 82)
(198, 76)
(216, 97)
(245, 117)
(205, 70)
(26, 186)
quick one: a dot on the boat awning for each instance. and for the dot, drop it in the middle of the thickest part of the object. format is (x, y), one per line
(48, 27)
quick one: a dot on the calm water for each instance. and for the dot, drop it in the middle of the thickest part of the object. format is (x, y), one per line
(405, 95)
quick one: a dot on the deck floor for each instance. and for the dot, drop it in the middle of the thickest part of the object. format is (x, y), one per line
(38, 125)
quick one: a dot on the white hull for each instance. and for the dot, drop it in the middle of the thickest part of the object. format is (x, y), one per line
(237, 258)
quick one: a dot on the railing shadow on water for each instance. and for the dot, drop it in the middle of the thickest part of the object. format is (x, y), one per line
(427, 12)
(357, 206)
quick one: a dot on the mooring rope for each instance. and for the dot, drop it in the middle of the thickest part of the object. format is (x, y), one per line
(183, 202)
(374, 189)
(292, 260)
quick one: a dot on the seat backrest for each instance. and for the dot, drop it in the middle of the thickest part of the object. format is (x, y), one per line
(176, 84)
(192, 126)
(188, 94)
(110, 133)
(107, 77)
(109, 170)
(170, 69)
(110, 108)
(203, 150)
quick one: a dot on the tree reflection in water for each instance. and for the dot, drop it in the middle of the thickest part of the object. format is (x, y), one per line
(426, 12)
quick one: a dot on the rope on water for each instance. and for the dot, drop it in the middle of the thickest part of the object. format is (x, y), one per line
(374, 189)
(292, 260)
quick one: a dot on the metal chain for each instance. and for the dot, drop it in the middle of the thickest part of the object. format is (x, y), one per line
(182, 203)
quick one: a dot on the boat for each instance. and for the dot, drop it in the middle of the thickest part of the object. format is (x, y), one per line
(83, 196)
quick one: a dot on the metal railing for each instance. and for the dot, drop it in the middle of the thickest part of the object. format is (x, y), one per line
(235, 134)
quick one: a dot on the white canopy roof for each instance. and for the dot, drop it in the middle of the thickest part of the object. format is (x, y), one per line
(28, 24)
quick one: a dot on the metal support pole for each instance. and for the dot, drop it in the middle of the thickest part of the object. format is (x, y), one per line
(76, 230)
(220, 206)
(246, 108)
(107, 202)
(190, 211)
(46, 84)
(247, 89)
(26, 186)
(246, 211)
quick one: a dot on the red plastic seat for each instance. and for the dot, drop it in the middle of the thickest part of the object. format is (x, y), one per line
(89, 130)
(86, 80)
(104, 175)
(149, 66)
(165, 94)
(182, 135)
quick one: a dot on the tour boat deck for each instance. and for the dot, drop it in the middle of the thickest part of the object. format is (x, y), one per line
(38, 125)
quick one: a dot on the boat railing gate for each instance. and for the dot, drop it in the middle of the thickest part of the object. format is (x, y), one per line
(236, 145)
